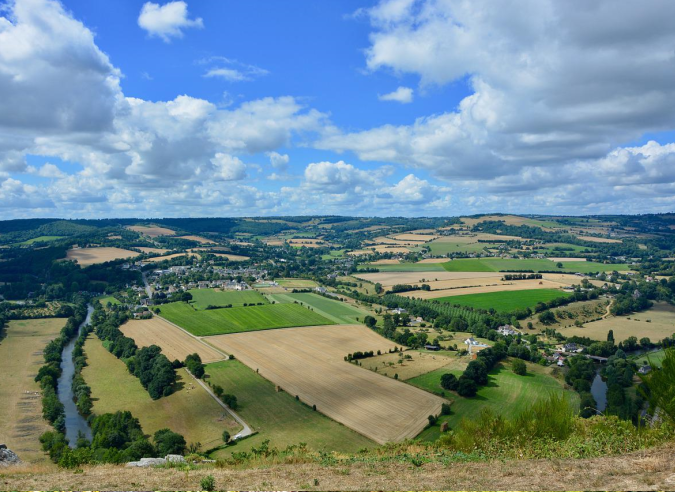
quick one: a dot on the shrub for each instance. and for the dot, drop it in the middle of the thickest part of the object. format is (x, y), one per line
(519, 367)
(208, 483)
(449, 382)
(169, 442)
(226, 437)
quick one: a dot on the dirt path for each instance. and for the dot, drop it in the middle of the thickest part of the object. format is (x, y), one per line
(609, 307)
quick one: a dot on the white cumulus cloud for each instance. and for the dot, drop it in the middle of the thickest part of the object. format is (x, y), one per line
(167, 21)
(403, 95)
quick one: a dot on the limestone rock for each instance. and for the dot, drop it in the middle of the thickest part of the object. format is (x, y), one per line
(8, 457)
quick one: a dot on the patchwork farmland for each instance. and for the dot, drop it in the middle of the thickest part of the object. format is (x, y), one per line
(309, 362)
(175, 343)
(239, 319)
(336, 311)
(505, 301)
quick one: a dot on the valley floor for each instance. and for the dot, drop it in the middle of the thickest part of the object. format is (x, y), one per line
(652, 469)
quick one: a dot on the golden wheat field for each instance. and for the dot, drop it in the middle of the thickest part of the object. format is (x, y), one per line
(152, 231)
(91, 256)
(594, 239)
(198, 239)
(175, 343)
(309, 362)
(159, 251)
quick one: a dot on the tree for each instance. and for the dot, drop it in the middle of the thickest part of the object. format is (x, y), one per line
(449, 382)
(226, 437)
(661, 386)
(194, 364)
(547, 317)
(466, 387)
(559, 264)
(169, 442)
(519, 367)
(610, 336)
(378, 288)
(369, 321)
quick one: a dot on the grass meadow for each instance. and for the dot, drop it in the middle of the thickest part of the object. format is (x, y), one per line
(239, 319)
(506, 394)
(202, 298)
(190, 411)
(277, 416)
(505, 301)
(336, 311)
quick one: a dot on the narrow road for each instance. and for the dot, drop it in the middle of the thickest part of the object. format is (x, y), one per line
(148, 289)
(246, 431)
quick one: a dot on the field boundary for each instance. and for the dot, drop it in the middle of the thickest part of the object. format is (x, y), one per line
(199, 339)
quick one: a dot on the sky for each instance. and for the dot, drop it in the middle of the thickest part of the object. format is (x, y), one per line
(390, 107)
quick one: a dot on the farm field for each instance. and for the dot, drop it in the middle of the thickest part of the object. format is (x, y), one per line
(104, 300)
(152, 231)
(202, 298)
(566, 315)
(408, 267)
(21, 422)
(238, 319)
(277, 416)
(506, 393)
(157, 259)
(308, 362)
(661, 324)
(296, 283)
(422, 238)
(437, 280)
(336, 311)
(505, 300)
(175, 344)
(92, 256)
(198, 239)
(422, 362)
(39, 239)
(497, 286)
(499, 264)
(190, 411)
(594, 239)
(159, 251)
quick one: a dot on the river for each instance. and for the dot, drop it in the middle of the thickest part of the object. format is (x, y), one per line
(599, 392)
(74, 421)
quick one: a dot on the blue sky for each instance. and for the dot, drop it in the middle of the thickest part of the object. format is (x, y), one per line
(265, 108)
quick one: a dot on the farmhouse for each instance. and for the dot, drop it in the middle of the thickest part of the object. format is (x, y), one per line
(507, 330)
(398, 311)
(645, 369)
(433, 348)
(572, 347)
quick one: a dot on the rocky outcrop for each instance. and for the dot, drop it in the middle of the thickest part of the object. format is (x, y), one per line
(8, 457)
(147, 462)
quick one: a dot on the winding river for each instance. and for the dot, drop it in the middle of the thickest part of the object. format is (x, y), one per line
(75, 422)
(599, 392)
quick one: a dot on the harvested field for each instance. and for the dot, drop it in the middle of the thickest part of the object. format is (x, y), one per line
(566, 259)
(175, 343)
(388, 262)
(159, 251)
(152, 231)
(21, 422)
(655, 323)
(383, 240)
(422, 362)
(389, 279)
(277, 416)
(361, 252)
(167, 257)
(92, 256)
(409, 267)
(198, 239)
(190, 411)
(238, 319)
(383, 248)
(506, 264)
(416, 237)
(499, 287)
(431, 260)
(296, 283)
(594, 239)
(307, 243)
(308, 362)
(273, 242)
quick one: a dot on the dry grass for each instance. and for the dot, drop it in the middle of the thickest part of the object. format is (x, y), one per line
(382, 248)
(21, 422)
(309, 362)
(386, 262)
(152, 231)
(167, 257)
(198, 239)
(190, 411)
(91, 256)
(389, 279)
(661, 324)
(153, 250)
(433, 260)
(361, 252)
(593, 239)
(421, 363)
(652, 469)
(415, 237)
(567, 259)
(174, 342)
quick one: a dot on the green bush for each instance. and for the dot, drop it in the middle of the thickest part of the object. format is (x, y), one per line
(208, 483)
(519, 367)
